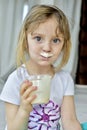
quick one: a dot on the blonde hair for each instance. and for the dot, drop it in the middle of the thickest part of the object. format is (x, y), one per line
(39, 14)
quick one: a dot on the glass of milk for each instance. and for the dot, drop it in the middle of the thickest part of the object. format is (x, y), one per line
(43, 83)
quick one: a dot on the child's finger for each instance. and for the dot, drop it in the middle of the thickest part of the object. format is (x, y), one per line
(28, 91)
(25, 85)
(30, 99)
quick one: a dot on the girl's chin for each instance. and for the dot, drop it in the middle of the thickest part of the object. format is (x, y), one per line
(45, 64)
(41, 63)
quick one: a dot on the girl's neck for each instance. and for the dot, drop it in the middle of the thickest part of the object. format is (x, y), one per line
(34, 69)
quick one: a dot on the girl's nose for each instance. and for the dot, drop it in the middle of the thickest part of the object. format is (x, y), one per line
(46, 47)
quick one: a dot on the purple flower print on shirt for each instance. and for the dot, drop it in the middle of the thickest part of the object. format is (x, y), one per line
(44, 116)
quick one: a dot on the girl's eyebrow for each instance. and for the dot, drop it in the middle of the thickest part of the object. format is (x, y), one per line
(37, 34)
(43, 35)
(60, 35)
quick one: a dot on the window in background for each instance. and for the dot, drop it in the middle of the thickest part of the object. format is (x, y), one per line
(25, 10)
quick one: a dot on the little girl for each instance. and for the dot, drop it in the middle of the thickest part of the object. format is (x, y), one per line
(44, 37)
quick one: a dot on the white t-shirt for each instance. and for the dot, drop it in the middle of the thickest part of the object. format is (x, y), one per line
(43, 116)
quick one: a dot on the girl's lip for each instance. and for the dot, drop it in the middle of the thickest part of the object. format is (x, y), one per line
(46, 55)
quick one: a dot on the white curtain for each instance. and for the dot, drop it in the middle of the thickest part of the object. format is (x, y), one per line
(11, 12)
(72, 9)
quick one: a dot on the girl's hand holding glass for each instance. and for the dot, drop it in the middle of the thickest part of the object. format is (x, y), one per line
(26, 99)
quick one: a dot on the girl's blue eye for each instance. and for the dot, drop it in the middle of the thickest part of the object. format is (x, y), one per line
(56, 40)
(38, 38)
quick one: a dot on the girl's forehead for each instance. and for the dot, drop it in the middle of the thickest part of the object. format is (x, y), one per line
(45, 32)
(48, 25)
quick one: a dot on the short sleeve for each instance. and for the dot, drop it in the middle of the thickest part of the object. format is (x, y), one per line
(69, 87)
(10, 92)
